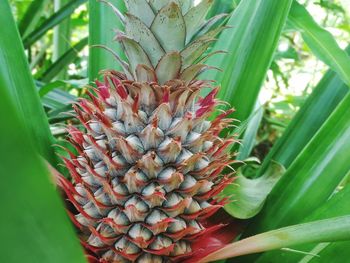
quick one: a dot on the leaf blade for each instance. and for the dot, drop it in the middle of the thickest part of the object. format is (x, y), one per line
(251, 45)
(100, 16)
(333, 229)
(320, 41)
(52, 21)
(321, 165)
(16, 79)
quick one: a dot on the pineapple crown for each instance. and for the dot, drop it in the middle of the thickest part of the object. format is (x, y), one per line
(166, 39)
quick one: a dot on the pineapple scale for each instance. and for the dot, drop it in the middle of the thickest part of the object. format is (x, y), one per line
(148, 169)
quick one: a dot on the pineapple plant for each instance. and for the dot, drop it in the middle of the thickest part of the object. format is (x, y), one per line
(149, 168)
(113, 203)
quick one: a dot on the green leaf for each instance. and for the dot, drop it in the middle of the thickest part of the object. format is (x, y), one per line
(61, 39)
(329, 92)
(321, 165)
(140, 9)
(52, 21)
(195, 17)
(194, 51)
(60, 115)
(136, 55)
(168, 67)
(337, 206)
(193, 71)
(35, 222)
(250, 194)
(16, 79)
(62, 84)
(159, 4)
(57, 99)
(333, 229)
(169, 28)
(138, 31)
(249, 137)
(222, 6)
(251, 47)
(338, 250)
(31, 17)
(102, 22)
(68, 57)
(320, 41)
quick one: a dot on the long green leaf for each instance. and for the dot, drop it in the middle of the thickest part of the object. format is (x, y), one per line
(35, 227)
(222, 6)
(338, 250)
(320, 41)
(58, 99)
(333, 229)
(61, 38)
(330, 91)
(52, 21)
(17, 80)
(248, 140)
(31, 17)
(312, 177)
(251, 42)
(102, 22)
(338, 205)
(68, 57)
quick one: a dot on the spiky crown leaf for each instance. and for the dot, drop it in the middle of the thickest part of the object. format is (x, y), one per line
(148, 169)
(165, 40)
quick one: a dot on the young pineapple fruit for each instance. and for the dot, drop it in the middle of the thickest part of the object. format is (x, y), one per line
(149, 166)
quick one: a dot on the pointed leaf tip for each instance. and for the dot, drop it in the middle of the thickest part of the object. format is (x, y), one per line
(169, 28)
(168, 67)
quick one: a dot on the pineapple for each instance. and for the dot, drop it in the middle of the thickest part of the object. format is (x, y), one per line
(149, 165)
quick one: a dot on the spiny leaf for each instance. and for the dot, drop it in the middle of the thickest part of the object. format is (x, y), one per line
(169, 28)
(138, 31)
(145, 73)
(191, 72)
(194, 51)
(195, 17)
(168, 67)
(141, 9)
(135, 53)
(159, 4)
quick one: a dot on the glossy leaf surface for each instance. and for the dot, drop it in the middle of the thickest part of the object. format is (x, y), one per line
(35, 222)
(102, 23)
(16, 79)
(250, 47)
